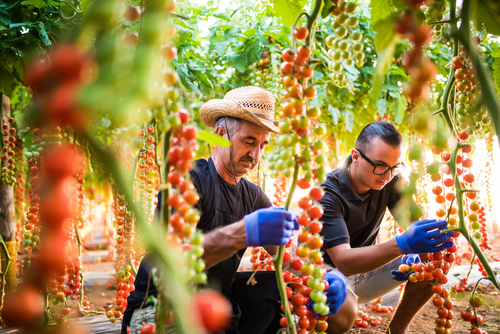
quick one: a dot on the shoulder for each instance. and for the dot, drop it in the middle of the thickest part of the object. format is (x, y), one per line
(256, 193)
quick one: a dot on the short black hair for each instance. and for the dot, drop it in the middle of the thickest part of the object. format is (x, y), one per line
(381, 129)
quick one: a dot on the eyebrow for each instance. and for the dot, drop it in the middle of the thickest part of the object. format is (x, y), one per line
(255, 139)
(386, 164)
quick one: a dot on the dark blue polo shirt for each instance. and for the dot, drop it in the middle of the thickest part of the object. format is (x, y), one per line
(350, 218)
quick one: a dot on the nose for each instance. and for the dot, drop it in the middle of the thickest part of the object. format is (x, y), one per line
(256, 153)
(387, 176)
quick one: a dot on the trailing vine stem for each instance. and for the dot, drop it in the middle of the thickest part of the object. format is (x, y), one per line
(311, 20)
(462, 228)
(278, 260)
(444, 109)
(164, 253)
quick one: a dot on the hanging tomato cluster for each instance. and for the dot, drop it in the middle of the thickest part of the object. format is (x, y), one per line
(125, 277)
(345, 45)
(435, 13)
(8, 151)
(263, 261)
(470, 117)
(147, 172)
(261, 74)
(470, 314)
(422, 70)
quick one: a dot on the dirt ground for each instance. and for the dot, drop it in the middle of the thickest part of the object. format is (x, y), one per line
(101, 299)
(424, 323)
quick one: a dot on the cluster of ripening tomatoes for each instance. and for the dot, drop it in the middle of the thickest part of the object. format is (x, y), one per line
(8, 153)
(422, 70)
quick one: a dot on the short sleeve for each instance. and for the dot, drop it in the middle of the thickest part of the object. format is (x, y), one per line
(334, 227)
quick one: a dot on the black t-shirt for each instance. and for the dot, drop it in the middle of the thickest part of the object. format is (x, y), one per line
(350, 218)
(229, 203)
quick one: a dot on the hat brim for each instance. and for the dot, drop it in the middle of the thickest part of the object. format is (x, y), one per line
(212, 110)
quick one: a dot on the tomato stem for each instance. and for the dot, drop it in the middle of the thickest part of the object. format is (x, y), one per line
(278, 261)
(165, 255)
(4, 273)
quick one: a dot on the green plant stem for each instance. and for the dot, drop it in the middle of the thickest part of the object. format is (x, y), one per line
(4, 273)
(444, 109)
(473, 293)
(311, 20)
(462, 228)
(166, 255)
(488, 90)
(278, 260)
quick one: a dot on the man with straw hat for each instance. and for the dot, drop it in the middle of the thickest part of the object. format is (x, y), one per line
(236, 213)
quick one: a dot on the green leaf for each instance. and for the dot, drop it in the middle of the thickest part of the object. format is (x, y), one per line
(36, 3)
(43, 34)
(399, 109)
(380, 9)
(349, 120)
(382, 107)
(249, 32)
(383, 63)
(335, 114)
(213, 139)
(486, 12)
(327, 9)
(223, 16)
(496, 74)
(7, 81)
(288, 10)
(385, 33)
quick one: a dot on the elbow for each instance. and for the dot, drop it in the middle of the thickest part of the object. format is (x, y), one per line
(344, 268)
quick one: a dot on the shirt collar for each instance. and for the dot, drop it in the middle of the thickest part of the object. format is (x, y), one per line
(345, 184)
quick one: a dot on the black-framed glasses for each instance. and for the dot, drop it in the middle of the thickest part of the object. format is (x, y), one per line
(382, 169)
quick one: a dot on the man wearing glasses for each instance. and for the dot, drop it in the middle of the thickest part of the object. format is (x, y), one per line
(356, 198)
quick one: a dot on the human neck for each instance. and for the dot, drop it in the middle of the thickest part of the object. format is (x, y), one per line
(356, 184)
(222, 170)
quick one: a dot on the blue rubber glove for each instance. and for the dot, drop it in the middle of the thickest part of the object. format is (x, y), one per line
(336, 292)
(270, 226)
(409, 260)
(424, 236)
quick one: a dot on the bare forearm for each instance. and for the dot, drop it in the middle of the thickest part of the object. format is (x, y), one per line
(223, 242)
(351, 261)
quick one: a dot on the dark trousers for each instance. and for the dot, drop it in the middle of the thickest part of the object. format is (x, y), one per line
(259, 303)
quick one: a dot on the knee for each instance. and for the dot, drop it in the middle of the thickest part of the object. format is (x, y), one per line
(343, 320)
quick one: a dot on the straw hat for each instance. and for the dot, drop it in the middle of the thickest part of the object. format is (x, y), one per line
(249, 103)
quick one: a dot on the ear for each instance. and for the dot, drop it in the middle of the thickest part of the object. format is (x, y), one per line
(355, 156)
(220, 131)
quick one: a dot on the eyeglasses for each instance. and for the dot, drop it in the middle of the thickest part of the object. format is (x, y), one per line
(382, 169)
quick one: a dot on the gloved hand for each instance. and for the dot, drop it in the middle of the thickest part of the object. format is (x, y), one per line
(336, 292)
(409, 260)
(420, 237)
(270, 226)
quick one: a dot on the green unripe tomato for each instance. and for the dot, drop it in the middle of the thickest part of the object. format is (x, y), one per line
(342, 19)
(350, 8)
(341, 32)
(306, 166)
(358, 47)
(337, 67)
(306, 140)
(360, 63)
(356, 36)
(336, 56)
(343, 45)
(359, 56)
(336, 25)
(353, 22)
(313, 112)
(433, 168)
(346, 55)
(318, 145)
(440, 139)
(200, 278)
(415, 153)
(320, 130)
(287, 173)
(329, 41)
(199, 265)
(349, 62)
(320, 159)
(477, 235)
(197, 238)
(306, 153)
(197, 250)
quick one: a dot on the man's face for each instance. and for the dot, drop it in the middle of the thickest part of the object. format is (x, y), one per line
(381, 154)
(248, 142)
